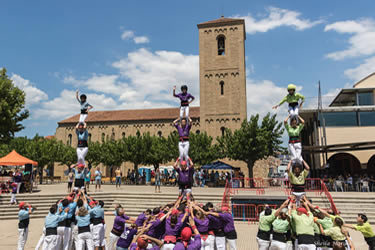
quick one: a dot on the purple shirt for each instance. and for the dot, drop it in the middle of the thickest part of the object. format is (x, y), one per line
(133, 246)
(193, 244)
(119, 223)
(184, 176)
(172, 231)
(228, 222)
(183, 131)
(152, 231)
(126, 237)
(202, 225)
(14, 190)
(184, 98)
(140, 220)
(215, 222)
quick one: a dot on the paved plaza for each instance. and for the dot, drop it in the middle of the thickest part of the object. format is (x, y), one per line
(246, 231)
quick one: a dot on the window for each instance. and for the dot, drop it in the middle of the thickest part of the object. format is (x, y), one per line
(222, 131)
(113, 136)
(89, 137)
(70, 140)
(221, 45)
(339, 119)
(123, 134)
(159, 133)
(367, 118)
(198, 132)
(222, 88)
(366, 98)
(103, 137)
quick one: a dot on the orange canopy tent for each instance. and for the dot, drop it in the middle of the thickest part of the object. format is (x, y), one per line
(15, 159)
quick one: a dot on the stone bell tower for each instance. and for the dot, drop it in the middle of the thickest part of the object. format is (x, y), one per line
(222, 75)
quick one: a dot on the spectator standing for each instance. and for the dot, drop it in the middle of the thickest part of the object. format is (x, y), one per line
(70, 180)
(98, 178)
(18, 179)
(118, 177)
(157, 180)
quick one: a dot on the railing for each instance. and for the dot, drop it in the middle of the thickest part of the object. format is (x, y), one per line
(250, 212)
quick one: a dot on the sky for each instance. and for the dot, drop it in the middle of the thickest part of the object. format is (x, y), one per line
(129, 54)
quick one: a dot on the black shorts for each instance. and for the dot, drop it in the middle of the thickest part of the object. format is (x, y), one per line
(79, 183)
(183, 187)
(70, 184)
(232, 235)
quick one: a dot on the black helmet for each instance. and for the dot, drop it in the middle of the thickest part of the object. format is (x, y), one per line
(83, 96)
(184, 87)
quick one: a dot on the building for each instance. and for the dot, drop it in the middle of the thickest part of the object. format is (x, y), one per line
(222, 93)
(342, 134)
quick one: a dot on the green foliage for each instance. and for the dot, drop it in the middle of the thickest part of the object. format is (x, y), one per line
(202, 150)
(12, 108)
(94, 155)
(252, 141)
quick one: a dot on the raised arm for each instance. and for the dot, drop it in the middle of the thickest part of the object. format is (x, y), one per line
(192, 224)
(77, 96)
(175, 165)
(156, 241)
(175, 122)
(174, 91)
(301, 120)
(289, 165)
(285, 204)
(307, 167)
(286, 119)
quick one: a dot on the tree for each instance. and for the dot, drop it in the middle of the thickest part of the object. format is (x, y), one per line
(251, 142)
(111, 154)
(68, 156)
(94, 155)
(202, 151)
(134, 150)
(158, 150)
(12, 108)
(273, 131)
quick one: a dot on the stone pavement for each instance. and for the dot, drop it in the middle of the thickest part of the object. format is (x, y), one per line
(246, 232)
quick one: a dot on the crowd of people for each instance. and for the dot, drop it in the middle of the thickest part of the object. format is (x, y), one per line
(349, 183)
(77, 221)
(297, 224)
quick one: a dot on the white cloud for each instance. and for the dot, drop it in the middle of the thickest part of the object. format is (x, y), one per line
(262, 96)
(129, 35)
(33, 94)
(151, 75)
(141, 39)
(66, 105)
(362, 70)
(277, 18)
(107, 84)
(361, 41)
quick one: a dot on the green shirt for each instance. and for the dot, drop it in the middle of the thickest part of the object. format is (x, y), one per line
(365, 229)
(316, 229)
(326, 223)
(292, 98)
(335, 233)
(265, 221)
(300, 180)
(280, 225)
(304, 223)
(293, 132)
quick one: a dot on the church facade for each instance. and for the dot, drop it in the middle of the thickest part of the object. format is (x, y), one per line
(222, 93)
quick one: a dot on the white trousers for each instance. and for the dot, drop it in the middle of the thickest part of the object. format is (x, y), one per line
(220, 243)
(293, 111)
(22, 238)
(13, 198)
(277, 245)
(232, 245)
(98, 234)
(81, 154)
(63, 237)
(209, 243)
(169, 246)
(306, 247)
(41, 239)
(74, 236)
(299, 196)
(295, 150)
(18, 187)
(263, 244)
(85, 239)
(184, 109)
(112, 241)
(60, 237)
(183, 148)
(82, 117)
(50, 242)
